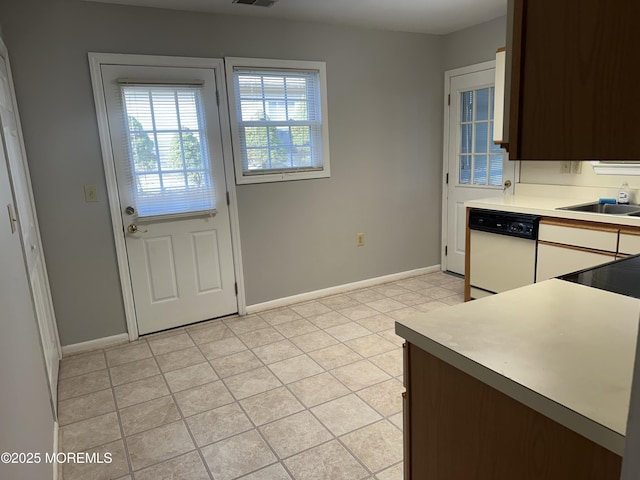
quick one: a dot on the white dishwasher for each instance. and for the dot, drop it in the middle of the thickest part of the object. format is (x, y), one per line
(502, 251)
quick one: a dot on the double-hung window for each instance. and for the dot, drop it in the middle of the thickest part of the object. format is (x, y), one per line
(279, 119)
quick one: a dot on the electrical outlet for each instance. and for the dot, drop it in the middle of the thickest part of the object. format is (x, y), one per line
(565, 167)
(360, 239)
(90, 193)
(576, 166)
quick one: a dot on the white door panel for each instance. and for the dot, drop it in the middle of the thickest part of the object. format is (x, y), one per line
(12, 152)
(168, 146)
(476, 168)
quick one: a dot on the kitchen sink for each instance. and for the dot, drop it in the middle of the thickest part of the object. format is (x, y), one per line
(609, 208)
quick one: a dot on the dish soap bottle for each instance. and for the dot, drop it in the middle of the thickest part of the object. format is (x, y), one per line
(623, 193)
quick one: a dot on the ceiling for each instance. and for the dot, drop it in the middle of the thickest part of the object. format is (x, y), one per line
(420, 16)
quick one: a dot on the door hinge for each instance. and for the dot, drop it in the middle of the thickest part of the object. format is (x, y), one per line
(228, 199)
(446, 250)
(447, 180)
(217, 97)
(235, 285)
(449, 99)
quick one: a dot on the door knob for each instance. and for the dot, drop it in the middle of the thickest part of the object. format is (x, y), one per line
(134, 229)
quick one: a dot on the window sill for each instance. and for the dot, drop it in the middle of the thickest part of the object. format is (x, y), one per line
(282, 176)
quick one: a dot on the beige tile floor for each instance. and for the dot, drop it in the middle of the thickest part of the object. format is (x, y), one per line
(307, 392)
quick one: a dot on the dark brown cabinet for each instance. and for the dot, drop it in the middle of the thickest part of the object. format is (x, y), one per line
(574, 70)
(458, 428)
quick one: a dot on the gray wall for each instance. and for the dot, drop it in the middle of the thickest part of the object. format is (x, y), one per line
(474, 44)
(384, 92)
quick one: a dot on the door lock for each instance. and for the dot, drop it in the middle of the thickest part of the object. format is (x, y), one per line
(507, 184)
(130, 210)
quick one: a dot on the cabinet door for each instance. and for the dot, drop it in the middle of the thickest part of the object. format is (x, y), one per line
(629, 243)
(555, 260)
(586, 235)
(573, 74)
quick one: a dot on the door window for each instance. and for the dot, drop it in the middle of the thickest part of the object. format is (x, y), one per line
(169, 160)
(480, 161)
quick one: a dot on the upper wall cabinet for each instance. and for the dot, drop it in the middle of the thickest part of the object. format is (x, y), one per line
(574, 68)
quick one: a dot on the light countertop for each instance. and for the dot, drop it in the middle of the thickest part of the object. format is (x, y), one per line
(563, 349)
(549, 207)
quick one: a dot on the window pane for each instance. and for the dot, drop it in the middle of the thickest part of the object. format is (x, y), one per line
(190, 148)
(465, 138)
(142, 149)
(148, 183)
(173, 181)
(164, 110)
(495, 170)
(280, 158)
(276, 110)
(465, 170)
(297, 111)
(250, 86)
(170, 151)
(480, 170)
(252, 110)
(300, 135)
(258, 158)
(482, 104)
(273, 87)
(482, 137)
(255, 136)
(296, 88)
(466, 106)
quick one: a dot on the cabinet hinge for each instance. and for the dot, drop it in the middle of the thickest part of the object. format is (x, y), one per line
(217, 97)
(449, 99)
(446, 250)
(235, 286)
(228, 199)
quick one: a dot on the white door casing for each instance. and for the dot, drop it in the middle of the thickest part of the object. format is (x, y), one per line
(182, 269)
(462, 186)
(14, 153)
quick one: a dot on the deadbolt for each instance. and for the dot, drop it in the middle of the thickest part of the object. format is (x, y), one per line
(507, 184)
(130, 210)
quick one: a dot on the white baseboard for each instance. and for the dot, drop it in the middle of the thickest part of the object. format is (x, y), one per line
(347, 287)
(94, 344)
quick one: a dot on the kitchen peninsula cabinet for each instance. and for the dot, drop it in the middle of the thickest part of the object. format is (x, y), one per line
(460, 428)
(573, 74)
(531, 384)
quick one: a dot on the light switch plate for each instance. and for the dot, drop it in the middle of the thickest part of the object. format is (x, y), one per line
(90, 193)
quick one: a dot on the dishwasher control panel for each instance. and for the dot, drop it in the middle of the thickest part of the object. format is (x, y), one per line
(505, 223)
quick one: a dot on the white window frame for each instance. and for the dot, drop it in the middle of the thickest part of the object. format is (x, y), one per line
(631, 167)
(283, 65)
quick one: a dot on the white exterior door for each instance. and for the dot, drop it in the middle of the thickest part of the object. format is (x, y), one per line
(166, 141)
(474, 166)
(12, 151)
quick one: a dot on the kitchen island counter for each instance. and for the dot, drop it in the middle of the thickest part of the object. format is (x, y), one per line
(562, 349)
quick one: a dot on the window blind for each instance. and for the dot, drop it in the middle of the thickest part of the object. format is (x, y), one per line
(169, 165)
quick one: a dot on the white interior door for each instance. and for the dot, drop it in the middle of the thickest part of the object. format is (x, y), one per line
(167, 149)
(12, 149)
(475, 167)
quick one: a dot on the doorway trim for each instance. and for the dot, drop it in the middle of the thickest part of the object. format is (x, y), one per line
(478, 67)
(95, 62)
